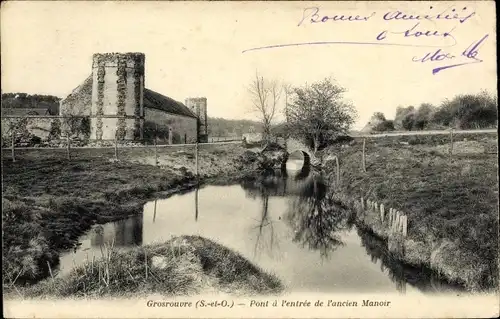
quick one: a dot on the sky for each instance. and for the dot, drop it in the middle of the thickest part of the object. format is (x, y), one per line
(196, 49)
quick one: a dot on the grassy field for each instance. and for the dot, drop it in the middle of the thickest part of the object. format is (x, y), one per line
(184, 265)
(48, 201)
(451, 201)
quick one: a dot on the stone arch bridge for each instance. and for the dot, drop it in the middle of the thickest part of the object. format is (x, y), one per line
(293, 145)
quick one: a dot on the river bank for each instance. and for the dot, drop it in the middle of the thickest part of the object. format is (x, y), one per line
(184, 265)
(48, 201)
(451, 202)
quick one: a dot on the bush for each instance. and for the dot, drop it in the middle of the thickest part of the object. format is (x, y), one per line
(386, 125)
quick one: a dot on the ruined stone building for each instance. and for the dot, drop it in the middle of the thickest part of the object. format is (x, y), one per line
(114, 103)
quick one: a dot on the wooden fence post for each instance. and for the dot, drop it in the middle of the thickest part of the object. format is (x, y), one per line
(405, 226)
(154, 213)
(116, 148)
(68, 147)
(338, 169)
(13, 142)
(155, 142)
(364, 160)
(196, 203)
(394, 222)
(403, 223)
(156, 152)
(400, 222)
(451, 142)
(196, 158)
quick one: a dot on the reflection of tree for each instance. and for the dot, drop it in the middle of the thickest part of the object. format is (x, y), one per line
(266, 236)
(420, 278)
(255, 187)
(317, 219)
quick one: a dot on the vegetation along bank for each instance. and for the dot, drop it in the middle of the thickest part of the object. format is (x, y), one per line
(450, 200)
(49, 201)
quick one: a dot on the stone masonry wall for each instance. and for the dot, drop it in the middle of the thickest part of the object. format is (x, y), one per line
(199, 107)
(182, 126)
(117, 96)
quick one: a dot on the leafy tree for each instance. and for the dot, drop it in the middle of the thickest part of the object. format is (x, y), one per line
(403, 119)
(475, 111)
(55, 130)
(379, 123)
(384, 126)
(408, 121)
(317, 113)
(379, 116)
(423, 116)
(17, 128)
(468, 111)
(445, 114)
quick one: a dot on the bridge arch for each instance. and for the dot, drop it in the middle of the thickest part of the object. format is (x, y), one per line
(295, 149)
(304, 168)
(294, 146)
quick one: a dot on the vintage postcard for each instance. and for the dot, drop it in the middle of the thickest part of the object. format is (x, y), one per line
(249, 159)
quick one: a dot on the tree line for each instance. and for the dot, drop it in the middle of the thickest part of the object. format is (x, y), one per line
(464, 111)
(231, 128)
(318, 113)
(25, 100)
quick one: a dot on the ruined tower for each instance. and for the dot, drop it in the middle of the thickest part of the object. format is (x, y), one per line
(117, 96)
(199, 107)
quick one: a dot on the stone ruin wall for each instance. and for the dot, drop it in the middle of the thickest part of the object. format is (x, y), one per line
(117, 96)
(183, 128)
(199, 107)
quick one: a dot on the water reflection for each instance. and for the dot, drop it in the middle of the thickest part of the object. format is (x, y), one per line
(297, 167)
(121, 234)
(315, 219)
(403, 275)
(318, 220)
(266, 239)
(287, 225)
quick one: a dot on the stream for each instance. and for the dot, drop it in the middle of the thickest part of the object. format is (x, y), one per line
(286, 225)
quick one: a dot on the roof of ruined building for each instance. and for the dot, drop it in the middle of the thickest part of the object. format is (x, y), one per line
(160, 102)
(81, 99)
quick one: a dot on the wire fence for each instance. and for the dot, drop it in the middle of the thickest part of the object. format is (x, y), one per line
(58, 134)
(117, 151)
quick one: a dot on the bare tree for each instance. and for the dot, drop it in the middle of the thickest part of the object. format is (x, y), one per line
(266, 96)
(288, 89)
